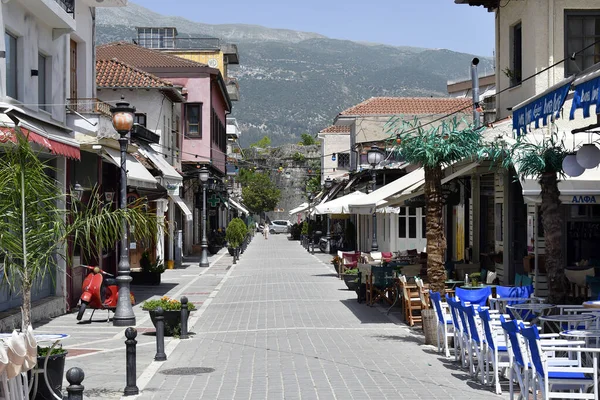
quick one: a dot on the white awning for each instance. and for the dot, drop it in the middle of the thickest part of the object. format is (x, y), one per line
(182, 206)
(367, 204)
(339, 205)
(170, 177)
(302, 207)
(583, 189)
(240, 208)
(137, 174)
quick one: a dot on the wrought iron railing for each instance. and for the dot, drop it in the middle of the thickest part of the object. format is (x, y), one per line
(67, 5)
(89, 106)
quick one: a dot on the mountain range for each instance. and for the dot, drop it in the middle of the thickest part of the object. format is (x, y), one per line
(294, 82)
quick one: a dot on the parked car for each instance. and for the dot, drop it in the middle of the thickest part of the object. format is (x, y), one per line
(280, 226)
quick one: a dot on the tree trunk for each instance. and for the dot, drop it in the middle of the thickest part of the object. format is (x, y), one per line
(26, 307)
(558, 285)
(436, 241)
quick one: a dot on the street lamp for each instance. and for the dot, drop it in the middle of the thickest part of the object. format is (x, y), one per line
(374, 157)
(203, 175)
(122, 120)
(310, 199)
(328, 184)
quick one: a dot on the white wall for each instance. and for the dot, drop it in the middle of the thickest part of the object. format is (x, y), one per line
(333, 143)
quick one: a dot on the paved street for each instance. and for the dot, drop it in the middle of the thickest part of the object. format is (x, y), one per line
(282, 326)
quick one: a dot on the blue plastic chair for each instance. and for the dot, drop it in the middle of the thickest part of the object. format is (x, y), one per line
(476, 296)
(475, 343)
(518, 367)
(575, 380)
(458, 337)
(494, 353)
(445, 322)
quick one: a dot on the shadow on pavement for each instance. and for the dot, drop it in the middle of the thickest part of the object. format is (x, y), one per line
(365, 314)
(144, 292)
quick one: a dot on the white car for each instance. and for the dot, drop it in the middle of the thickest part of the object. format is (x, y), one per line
(280, 226)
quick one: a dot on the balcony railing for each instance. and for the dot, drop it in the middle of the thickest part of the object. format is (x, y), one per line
(67, 5)
(197, 43)
(89, 106)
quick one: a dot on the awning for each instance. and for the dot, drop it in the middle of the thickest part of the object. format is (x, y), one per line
(339, 205)
(182, 206)
(46, 135)
(586, 88)
(583, 189)
(170, 179)
(547, 103)
(302, 207)
(137, 174)
(368, 204)
(240, 208)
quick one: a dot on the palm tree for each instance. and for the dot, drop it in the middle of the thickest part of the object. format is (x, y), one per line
(435, 147)
(35, 228)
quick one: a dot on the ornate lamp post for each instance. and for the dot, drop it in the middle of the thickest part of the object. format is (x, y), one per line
(310, 199)
(374, 157)
(122, 120)
(328, 184)
(203, 175)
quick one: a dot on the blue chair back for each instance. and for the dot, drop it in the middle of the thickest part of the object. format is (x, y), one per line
(518, 279)
(516, 292)
(453, 311)
(526, 280)
(436, 299)
(532, 337)
(484, 315)
(469, 312)
(460, 310)
(511, 328)
(476, 296)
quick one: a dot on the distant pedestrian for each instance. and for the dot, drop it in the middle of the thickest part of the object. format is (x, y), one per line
(266, 231)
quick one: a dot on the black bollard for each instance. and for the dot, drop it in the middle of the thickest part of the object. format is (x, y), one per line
(131, 389)
(160, 335)
(184, 318)
(75, 376)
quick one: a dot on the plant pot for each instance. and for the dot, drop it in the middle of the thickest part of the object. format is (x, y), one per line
(146, 278)
(172, 321)
(350, 281)
(55, 373)
(231, 251)
(213, 248)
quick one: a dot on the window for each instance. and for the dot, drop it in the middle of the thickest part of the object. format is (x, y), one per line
(582, 29)
(42, 100)
(193, 120)
(423, 226)
(412, 223)
(140, 119)
(515, 72)
(402, 223)
(499, 221)
(157, 38)
(10, 43)
(343, 160)
(73, 70)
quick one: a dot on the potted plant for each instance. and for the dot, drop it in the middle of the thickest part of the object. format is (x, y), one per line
(351, 278)
(172, 313)
(475, 278)
(235, 234)
(151, 270)
(55, 372)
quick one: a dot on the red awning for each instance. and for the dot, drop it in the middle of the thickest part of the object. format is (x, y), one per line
(55, 147)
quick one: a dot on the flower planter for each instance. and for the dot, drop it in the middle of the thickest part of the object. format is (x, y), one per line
(55, 373)
(350, 281)
(172, 321)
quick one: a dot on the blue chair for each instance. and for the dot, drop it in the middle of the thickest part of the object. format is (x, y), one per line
(475, 343)
(562, 378)
(476, 296)
(458, 336)
(518, 367)
(494, 351)
(445, 322)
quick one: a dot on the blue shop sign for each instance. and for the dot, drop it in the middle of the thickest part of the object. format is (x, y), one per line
(584, 200)
(585, 95)
(540, 108)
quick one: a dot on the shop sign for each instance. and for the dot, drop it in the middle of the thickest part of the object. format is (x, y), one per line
(540, 108)
(583, 200)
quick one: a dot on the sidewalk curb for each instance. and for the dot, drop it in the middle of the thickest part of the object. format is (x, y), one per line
(151, 370)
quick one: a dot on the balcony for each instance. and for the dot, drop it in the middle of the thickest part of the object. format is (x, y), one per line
(144, 134)
(89, 106)
(57, 14)
(233, 89)
(89, 115)
(162, 42)
(68, 6)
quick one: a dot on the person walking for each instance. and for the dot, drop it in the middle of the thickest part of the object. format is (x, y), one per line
(266, 231)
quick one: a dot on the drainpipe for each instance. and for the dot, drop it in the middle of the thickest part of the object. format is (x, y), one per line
(475, 90)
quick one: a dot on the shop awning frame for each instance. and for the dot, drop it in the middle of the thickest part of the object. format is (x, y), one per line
(301, 208)
(338, 205)
(170, 179)
(240, 208)
(189, 216)
(137, 174)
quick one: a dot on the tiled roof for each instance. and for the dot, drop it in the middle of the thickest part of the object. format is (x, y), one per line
(336, 129)
(115, 74)
(409, 105)
(141, 57)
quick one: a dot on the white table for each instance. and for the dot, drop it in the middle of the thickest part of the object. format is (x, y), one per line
(572, 320)
(529, 311)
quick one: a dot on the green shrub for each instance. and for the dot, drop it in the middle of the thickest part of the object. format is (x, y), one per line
(166, 303)
(304, 230)
(236, 232)
(353, 271)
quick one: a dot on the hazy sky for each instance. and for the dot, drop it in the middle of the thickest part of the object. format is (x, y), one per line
(420, 23)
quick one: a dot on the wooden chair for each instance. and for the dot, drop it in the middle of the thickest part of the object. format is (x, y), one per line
(380, 285)
(411, 301)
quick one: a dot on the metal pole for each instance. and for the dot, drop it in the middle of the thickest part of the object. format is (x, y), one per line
(160, 335)
(184, 318)
(204, 244)
(374, 245)
(75, 376)
(131, 389)
(124, 315)
(475, 90)
(328, 236)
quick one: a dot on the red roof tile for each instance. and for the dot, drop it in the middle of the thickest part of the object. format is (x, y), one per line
(116, 74)
(142, 57)
(336, 129)
(409, 105)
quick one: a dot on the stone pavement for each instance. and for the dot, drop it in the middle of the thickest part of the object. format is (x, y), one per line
(280, 325)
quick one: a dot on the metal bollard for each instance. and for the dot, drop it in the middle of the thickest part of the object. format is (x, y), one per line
(184, 318)
(75, 376)
(160, 335)
(234, 255)
(131, 389)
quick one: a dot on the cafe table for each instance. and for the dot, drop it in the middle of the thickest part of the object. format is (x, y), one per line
(452, 284)
(573, 321)
(531, 312)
